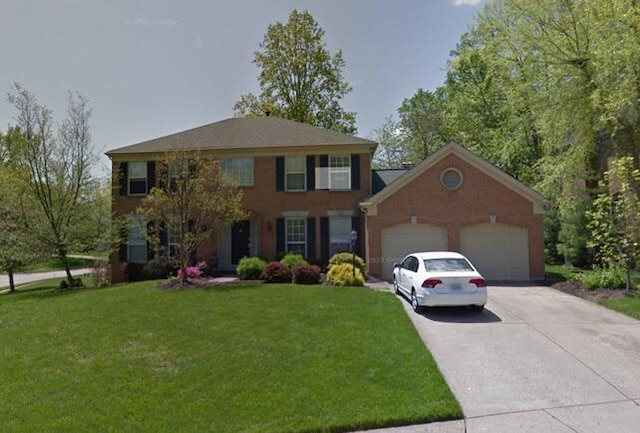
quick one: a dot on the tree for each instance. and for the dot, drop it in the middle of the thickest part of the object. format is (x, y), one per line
(18, 246)
(613, 222)
(421, 119)
(391, 151)
(57, 168)
(198, 199)
(299, 78)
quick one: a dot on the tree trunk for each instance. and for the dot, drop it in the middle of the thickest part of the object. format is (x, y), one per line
(65, 262)
(12, 285)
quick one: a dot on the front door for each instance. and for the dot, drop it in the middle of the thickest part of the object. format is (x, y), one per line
(240, 241)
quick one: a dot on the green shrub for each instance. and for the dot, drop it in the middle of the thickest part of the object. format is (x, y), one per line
(347, 257)
(609, 278)
(276, 272)
(306, 274)
(342, 274)
(250, 268)
(292, 260)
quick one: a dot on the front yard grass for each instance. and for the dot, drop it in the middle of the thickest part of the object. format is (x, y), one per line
(236, 358)
(629, 305)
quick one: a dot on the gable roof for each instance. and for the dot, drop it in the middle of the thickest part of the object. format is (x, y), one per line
(244, 133)
(452, 148)
(382, 178)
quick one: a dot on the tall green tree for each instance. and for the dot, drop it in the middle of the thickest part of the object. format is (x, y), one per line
(56, 168)
(299, 78)
(392, 149)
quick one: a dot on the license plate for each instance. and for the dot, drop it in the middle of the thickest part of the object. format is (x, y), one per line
(455, 286)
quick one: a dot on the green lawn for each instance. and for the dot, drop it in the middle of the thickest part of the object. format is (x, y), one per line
(629, 305)
(239, 358)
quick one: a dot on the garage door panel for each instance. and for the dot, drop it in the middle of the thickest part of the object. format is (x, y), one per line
(398, 241)
(499, 251)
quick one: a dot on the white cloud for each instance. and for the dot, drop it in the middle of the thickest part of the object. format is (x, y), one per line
(466, 2)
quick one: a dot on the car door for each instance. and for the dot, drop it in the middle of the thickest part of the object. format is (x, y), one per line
(403, 274)
(412, 273)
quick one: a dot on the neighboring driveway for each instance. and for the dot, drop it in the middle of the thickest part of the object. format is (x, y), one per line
(538, 360)
(23, 278)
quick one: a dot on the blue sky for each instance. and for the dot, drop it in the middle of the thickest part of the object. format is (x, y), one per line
(153, 67)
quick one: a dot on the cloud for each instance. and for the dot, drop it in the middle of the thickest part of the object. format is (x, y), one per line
(466, 2)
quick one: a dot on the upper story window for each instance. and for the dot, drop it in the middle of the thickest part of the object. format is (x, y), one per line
(239, 169)
(340, 172)
(137, 177)
(295, 173)
(137, 240)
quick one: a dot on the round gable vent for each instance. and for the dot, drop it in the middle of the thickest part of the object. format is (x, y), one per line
(451, 178)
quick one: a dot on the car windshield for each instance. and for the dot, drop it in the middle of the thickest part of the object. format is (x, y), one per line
(447, 265)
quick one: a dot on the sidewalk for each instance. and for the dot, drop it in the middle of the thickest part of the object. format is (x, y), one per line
(23, 278)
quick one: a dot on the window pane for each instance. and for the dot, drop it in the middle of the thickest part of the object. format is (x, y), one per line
(340, 179)
(447, 265)
(240, 169)
(137, 253)
(294, 164)
(339, 161)
(295, 181)
(137, 170)
(296, 232)
(297, 249)
(137, 186)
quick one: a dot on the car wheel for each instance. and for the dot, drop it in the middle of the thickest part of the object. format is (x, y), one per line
(477, 307)
(396, 288)
(414, 302)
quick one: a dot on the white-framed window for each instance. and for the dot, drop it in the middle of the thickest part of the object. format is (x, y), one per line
(177, 170)
(137, 177)
(340, 172)
(339, 234)
(296, 235)
(137, 240)
(295, 173)
(239, 169)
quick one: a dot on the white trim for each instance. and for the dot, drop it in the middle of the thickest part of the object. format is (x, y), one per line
(295, 213)
(446, 170)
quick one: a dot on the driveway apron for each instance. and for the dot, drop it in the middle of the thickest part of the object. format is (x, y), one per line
(538, 360)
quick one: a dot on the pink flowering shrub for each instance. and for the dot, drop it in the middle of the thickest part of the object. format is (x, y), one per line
(192, 272)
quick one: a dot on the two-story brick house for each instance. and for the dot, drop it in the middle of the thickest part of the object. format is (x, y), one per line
(307, 188)
(302, 187)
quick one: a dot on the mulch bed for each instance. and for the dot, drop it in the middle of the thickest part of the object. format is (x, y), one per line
(576, 288)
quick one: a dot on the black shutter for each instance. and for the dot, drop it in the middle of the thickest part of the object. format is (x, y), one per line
(324, 160)
(311, 238)
(162, 234)
(324, 239)
(163, 174)
(279, 173)
(280, 241)
(151, 254)
(122, 248)
(311, 172)
(151, 175)
(355, 171)
(124, 178)
(193, 168)
(356, 224)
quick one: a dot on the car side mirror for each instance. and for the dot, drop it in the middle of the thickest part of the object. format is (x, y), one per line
(396, 265)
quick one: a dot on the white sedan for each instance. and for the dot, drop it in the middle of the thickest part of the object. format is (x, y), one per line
(439, 279)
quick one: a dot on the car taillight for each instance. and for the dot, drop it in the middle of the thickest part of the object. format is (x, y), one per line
(430, 283)
(478, 282)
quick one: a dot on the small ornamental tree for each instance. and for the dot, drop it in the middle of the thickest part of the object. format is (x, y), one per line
(614, 220)
(194, 198)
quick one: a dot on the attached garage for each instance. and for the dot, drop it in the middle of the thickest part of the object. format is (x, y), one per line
(400, 240)
(456, 201)
(500, 252)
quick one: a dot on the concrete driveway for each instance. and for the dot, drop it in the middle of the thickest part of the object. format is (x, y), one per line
(538, 360)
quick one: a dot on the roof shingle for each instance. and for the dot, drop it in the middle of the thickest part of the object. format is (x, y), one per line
(244, 133)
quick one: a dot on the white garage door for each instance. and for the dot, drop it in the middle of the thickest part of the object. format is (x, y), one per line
(398, 241)
(500, 252)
